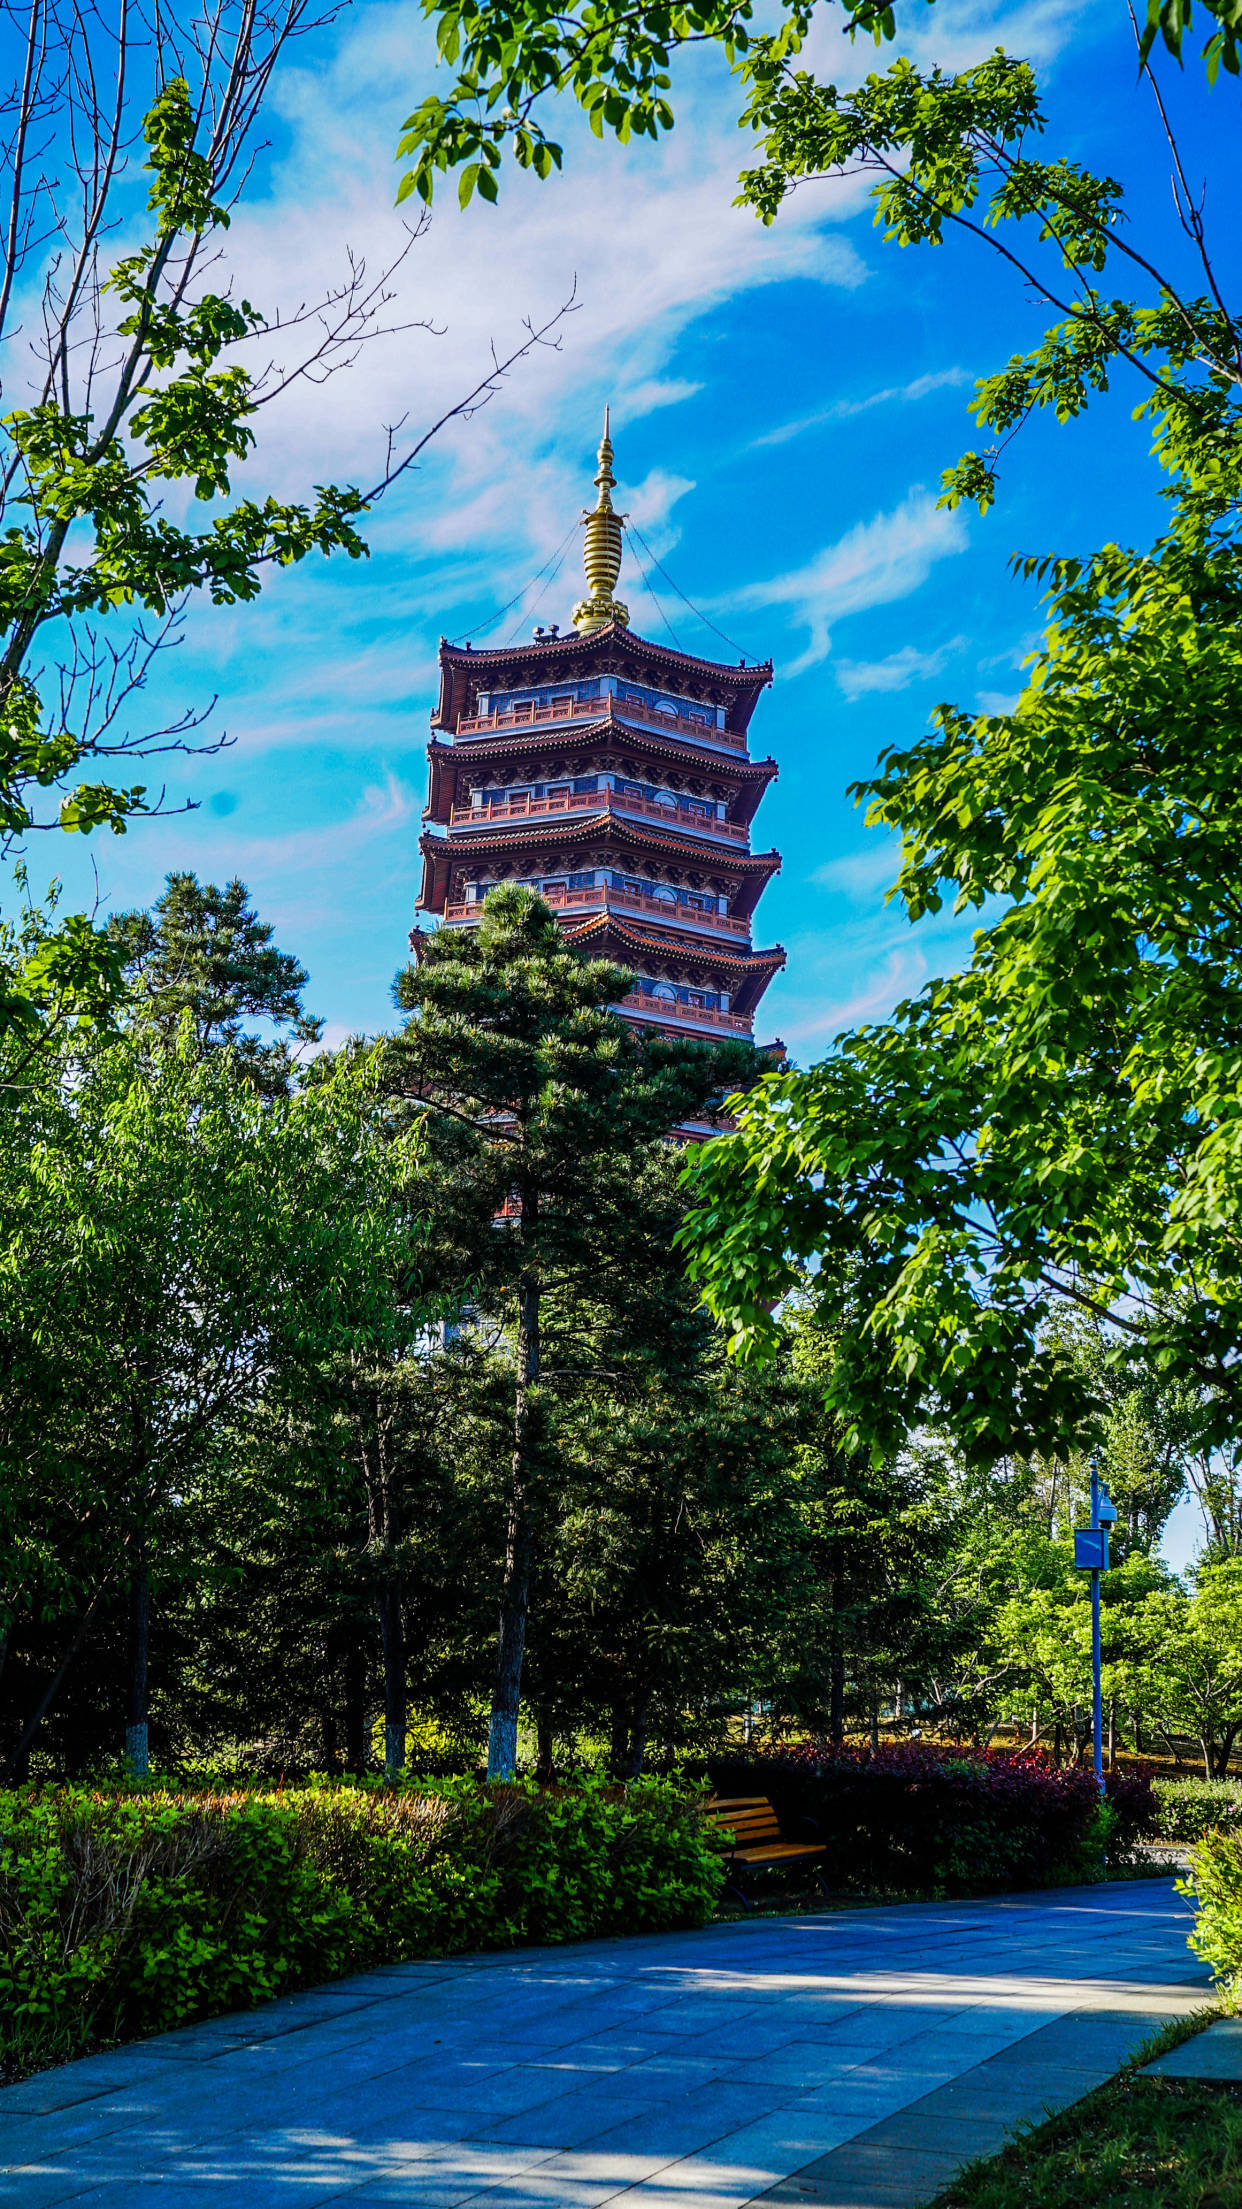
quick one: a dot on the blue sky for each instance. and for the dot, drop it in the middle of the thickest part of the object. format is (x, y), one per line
(783, 403)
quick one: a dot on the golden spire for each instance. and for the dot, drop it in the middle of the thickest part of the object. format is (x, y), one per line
(601, 552)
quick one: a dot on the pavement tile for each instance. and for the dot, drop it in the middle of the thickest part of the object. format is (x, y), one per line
(1213, 2054)
(884, 2181)
(961, 2135)
(695, 2071)
(804, 2064)
(570, 2120)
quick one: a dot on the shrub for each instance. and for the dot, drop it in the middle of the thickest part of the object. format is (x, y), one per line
(918, 1817)
(126, 1912)
(1134, 1807)
(1189, 1808)
(1215, 1885)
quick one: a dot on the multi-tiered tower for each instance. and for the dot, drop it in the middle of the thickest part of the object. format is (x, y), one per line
(613, 776)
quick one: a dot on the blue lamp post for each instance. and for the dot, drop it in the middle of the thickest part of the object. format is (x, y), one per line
(1091, 1555)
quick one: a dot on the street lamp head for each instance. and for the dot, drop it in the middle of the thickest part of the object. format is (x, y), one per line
(1108, 1509)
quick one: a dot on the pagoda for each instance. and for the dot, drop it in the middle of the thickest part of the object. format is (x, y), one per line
(614, 777)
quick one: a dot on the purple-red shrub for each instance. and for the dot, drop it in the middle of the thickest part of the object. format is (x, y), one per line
(941, 1820)
(1132, 1797)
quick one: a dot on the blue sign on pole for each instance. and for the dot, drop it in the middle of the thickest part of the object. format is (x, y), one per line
(1091, 1548)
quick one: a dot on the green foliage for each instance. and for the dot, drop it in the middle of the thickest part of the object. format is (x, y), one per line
(1191, 1808)
(542, 1118)
(511, 55)
(204, 951)
(1061, 1118)
(175, 1247)
(95, 540)
(125, 1914)
(1214, 1884)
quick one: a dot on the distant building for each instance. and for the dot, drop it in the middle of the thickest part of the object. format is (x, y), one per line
(613, 776)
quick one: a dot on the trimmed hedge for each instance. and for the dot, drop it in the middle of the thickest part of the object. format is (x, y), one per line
(124, 1912)
(916, 1817)
(1214, 1884)
(1189, 1808)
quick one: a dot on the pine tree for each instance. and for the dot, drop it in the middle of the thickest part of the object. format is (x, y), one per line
(204, 951)
(538, 1105)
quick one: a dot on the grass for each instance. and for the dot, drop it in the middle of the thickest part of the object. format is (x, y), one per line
(1136, 2143)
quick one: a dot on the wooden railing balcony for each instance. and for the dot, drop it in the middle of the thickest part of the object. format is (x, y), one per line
(683, 819)
(605, 899)
(619, 710)
(670, 1012)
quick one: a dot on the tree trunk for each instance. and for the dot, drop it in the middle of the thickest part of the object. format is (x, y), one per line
(515, 1590)
(16, 1769)
(638, 1737)
(836, 1678)
(619, 1738)
(1167, 1737)
(137, 1754)
(392, 1647)
(875, 1727)
(356, 1758)
(545, 1758)
(1226, 1751)
(1206, 1746)
(1138, 1733)
(329, 1744)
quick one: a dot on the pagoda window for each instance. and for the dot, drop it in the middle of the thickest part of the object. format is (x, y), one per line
(703, 809)
(672, 993)
(662, 701)
(508, 701)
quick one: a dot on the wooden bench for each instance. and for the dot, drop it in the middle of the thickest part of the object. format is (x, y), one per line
(756, 1839)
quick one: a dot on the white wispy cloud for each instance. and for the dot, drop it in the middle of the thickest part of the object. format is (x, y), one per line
(648, 233)
(896, 671)
(862, 876)
(843, 410)
(873, 564)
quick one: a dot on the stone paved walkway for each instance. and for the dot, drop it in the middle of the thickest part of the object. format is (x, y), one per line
(851, 2060)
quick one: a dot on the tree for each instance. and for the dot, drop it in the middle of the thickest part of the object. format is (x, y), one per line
(537, 1105)
(204, 951)
(343, 1538)
(875, 1544)
(174, 1241)
(513, 56)
(1059, 1122)
(1185, 1659)
(142, 388)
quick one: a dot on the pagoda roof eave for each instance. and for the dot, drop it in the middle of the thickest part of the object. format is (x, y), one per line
(717, 859)
(607, 925)
(748, 976)
(552, 658)
(558, 736)
(558, 650)
(750, 777)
